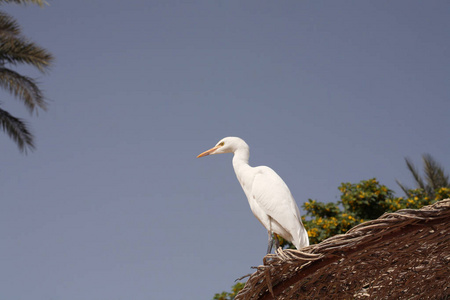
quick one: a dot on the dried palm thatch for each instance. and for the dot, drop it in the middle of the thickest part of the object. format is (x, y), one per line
(401, 255)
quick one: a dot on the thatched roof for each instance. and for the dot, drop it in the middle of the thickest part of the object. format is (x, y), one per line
(401, 255)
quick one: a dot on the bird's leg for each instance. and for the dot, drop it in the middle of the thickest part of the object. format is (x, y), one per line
(269, 247)
(277, 241)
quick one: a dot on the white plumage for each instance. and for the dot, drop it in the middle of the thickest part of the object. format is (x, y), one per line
(269, 197)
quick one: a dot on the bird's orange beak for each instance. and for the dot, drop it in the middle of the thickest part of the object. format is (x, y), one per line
(208, 152)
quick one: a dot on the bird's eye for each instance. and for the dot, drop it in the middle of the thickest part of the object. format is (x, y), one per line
(221, 143)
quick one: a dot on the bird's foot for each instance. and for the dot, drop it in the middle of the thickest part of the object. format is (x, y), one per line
(273, 239)
(277, 241)
(270, 245)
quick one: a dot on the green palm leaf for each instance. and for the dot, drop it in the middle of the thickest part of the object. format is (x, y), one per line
(14, 51)
(17, 130)
(435, 176)
(8, 26)
(434, 173)
(38, 2)
(22, 87)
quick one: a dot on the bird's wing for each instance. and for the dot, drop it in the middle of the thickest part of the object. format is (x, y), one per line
(273, 196)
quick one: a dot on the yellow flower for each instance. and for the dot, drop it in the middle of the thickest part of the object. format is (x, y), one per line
(312, 233)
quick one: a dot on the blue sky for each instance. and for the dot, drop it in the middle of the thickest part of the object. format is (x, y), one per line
(113, 204)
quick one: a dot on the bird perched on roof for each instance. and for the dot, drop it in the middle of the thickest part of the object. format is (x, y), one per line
(269, 197)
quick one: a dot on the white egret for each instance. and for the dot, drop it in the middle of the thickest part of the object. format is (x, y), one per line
(269, 197)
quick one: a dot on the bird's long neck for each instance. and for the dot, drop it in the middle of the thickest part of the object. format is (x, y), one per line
(240, 159)
(243, 169)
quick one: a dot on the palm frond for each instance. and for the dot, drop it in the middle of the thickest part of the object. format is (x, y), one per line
(415, 173)
(23, 87)
(434, 173)
(8, 26)
(17, 130)
(445, 182)
(16, 50)
(435, 176)
(404, 188)
(38, 2)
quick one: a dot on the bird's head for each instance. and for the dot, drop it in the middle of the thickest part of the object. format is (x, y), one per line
(226, 145)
